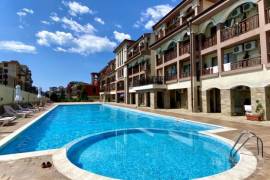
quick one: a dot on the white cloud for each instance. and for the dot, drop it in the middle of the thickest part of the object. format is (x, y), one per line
(66, 42)
(54, 17)
(25, 12)
(99, 20)
(45, 22)
(118, 26)
(76, 27)
(121, 36)
(152, 15)
(29, 11)
(75, 8)
(46, 38)
(17, 46)
(89, 44)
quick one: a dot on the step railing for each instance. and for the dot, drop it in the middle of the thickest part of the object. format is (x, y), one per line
(248, 135)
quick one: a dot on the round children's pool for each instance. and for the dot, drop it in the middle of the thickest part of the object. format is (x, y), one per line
(151, 154)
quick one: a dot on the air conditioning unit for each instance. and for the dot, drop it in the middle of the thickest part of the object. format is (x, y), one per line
(238, 49)
(250, 46)
(247, 7)
(237, 12)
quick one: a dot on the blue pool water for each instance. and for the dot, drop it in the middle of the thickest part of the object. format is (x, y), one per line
(69, 122)
(150, 154)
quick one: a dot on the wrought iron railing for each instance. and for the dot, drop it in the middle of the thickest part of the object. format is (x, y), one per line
(170, 55)
(245, 63)
(209, 42)
(148, 80)
(240, 28)
(184, 49)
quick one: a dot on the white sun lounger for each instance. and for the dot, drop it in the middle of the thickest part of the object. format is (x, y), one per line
(7, 120)
(27, 109)
(10, 111)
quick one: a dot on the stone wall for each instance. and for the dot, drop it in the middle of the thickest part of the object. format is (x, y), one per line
(7, 95)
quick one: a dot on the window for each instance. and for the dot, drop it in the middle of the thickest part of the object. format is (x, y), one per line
(229, 57)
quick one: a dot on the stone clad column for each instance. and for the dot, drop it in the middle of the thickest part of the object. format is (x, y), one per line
(153, 99)
(226, 102)
(189, 99)
(204, 102)
(167, 103)
(259, 94)
(137, 99)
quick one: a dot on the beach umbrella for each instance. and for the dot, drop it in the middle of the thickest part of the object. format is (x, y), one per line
(39, 96)
(18, 93)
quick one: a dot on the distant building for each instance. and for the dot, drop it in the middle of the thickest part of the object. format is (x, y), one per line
(13, 73)
(59, 91)
(75, 88)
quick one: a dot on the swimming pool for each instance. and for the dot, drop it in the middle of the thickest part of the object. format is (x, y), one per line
(150, 154)
(66, 123)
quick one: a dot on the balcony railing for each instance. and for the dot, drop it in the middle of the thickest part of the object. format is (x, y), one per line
(160, 36)
(209, 42)
(210, 70)
(267, 14)
(240, 28)
(184, 75)
(172, 27)
(159, 61)
(184, 49)
(242, 64)
(171, 77)
(136, 69)
(148, 80)
(170, 55)
(112, 87)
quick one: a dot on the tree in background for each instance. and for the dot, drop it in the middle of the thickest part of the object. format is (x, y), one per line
(54, 97)
(83, 94)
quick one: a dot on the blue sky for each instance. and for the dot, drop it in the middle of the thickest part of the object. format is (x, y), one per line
(62, 40)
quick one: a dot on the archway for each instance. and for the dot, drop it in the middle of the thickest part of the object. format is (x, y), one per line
(213, 101)
(240, 96)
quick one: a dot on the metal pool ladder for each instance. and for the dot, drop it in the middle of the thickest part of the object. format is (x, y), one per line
(247, 135)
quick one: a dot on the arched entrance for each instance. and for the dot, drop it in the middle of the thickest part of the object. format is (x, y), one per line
(214, 100)
(240, 96)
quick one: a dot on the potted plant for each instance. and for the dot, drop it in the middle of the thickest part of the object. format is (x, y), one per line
(259, 113)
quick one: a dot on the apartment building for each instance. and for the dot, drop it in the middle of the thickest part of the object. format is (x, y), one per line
(13, 73)
(121, 71)
(206, 56)
(107, 81)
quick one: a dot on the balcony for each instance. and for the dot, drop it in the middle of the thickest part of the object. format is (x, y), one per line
(210, 70)
(184, 75)
(135, 52)
(184, 49)
(120, 87)
(240, 28)
(209, 42)
(172, 27)
(148, 80)
(112, 87)
(159, 61)
(171, 77)
(267, 15)
(242, 64)
(170, 55)
(160, 36)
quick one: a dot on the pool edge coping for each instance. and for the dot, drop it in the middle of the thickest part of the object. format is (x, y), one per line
(244, 168)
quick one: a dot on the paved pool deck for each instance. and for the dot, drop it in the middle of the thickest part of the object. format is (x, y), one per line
(30, 168)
